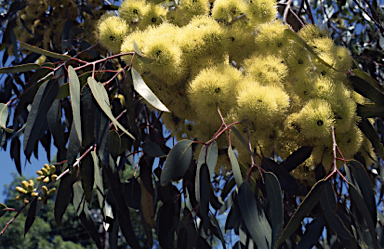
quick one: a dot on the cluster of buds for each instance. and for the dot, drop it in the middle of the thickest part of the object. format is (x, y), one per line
(47, 174)
(27, 191)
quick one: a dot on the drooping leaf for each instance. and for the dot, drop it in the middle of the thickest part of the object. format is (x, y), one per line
(235, 167)
(102, 136)
(363, 75)
(368, 130)
(64, 195)
(370, 111)
(242, 140)
(132, 192)
(275, 197)
(141, 57)
(98, 175)
(367, 90)
(115, 143)
(144, 91)
(288, 183)
(208, 156)
(34, 208)
(312, 198)
(145, 164)
(146, 206)
(102, 99)
(214, 226)
(73, 146)
(297, 158)
(204, 190)
(360, 175)
(87, 176)
(3, 115)
(89, 225)
(234, 215)
(20, 69)
(74, 89)
(359, 202)
(228, 187)
(44, 52)
(254, 217)
(177, 162)
(37, 116)
(312, 233)
(152, 149)
(147, 229)
(166, 227)
(15, 153)
(78, 198)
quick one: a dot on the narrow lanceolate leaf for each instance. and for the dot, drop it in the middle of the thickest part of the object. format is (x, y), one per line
(363, 75)
(98, 174)
(144, 91)
(312, 198)
(20, 69)
(78, 198)
(166, 227)
(64, 195)
(359, 202)
(74, 89)
(3, 115)
(31, 216)
(102, 99)
(15, 153)
(205, 190)
(241, 138)
(177, 162)
(235, 167)
(370, 111)
(297, 158)
(37, 116)
(368, 130)
(362, 179)
(367, 90)
(312, 233)
(141, 57)
(275, 197)
(44, 52)
(208, 156)
(254, 217)
(87, 176)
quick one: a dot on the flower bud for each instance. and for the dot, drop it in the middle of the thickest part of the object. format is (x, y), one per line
(39, 199)
(34, 194)
(30, 188)
(39, 172)
(31, 182)
(26, 201)
(40, 178)
(46, 179)
(44, 189)
(46, 166)
(53, 177)
(18, 197)
(24, 184)
(45, 171)
(21, 190)
(52, 169)
(51, 191)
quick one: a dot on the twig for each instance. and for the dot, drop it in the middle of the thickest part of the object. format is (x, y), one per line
(13, 219)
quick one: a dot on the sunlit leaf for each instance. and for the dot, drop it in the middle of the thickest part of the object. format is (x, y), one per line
(3, 115)
(275, 197)
(74, 89)
(44, 52)
(235, 167)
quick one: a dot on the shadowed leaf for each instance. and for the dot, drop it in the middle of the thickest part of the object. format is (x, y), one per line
(312, 233)
(297, 158)
(20, 68)
(208, 156)
(368, 130)
(235, 167)
(44, 52)
(275, 197)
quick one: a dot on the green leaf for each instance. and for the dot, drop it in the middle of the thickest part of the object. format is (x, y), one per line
(74, 88)
(368, 130)
(364, 184)
(31, 216)
(241, 138)
(64, 89)
(329, 205)
(288, 183)
(3, 115)
(141, 57)
(235, 167)
(78, 198)
(44, 52)
(275, 197)
(297, 158)
(15, 153)
(132, 192)
(177, 162)
(367, 90)
(102, 136)
(205, 191)
(87, 176)
(300, 41)
(20, 69)
(312, 198)
(208, 155)
(370, 111)
(98, 175)
(144, 91)
(102, 99)
(38, 114)
(166, 227)
(152, 149)
(64, 195)
(359, 202)
(73, 147)
(254, 217)
(312, 233)
(363, 75)
(145, 164)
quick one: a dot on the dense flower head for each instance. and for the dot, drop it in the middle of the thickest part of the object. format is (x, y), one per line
(235, 57)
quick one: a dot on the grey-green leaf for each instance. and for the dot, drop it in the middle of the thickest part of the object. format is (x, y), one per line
(3, 115)
(275, 197)
(102, 99)
(235, 167)
(74, 90)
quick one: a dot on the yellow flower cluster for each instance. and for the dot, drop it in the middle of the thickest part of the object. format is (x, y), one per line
(235, 56)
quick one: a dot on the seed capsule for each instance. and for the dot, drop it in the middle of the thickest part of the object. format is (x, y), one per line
(53, 177)
(40, 178)
(46, 179)
(46, 166)
(44, 189)
(45, 171)
(39, 172)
